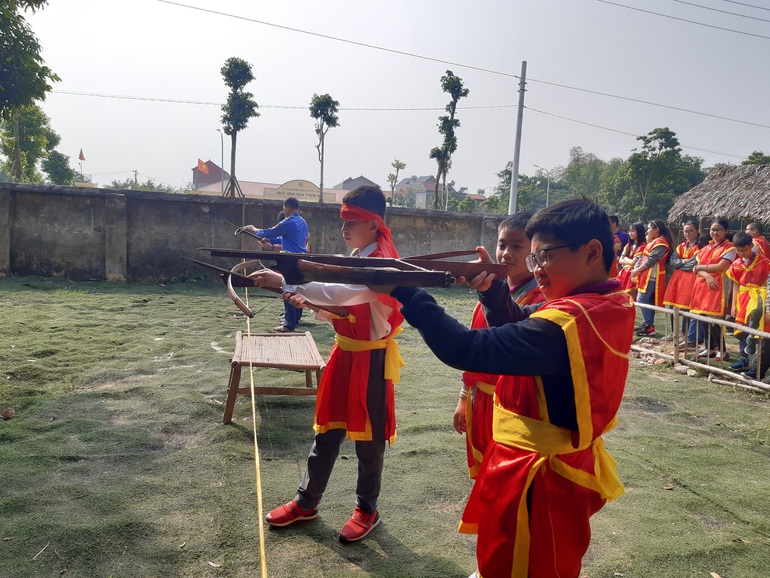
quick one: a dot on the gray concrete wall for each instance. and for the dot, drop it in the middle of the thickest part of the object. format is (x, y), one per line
(139, 236)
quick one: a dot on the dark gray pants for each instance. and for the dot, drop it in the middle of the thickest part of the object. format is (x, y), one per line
(370, 454)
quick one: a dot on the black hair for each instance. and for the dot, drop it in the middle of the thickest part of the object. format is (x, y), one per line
(576, 222)
(755, 225)
(367, 197)
(742, 239)
(722, 222)
(703, 240)
(661, 226)
(614, 219)
(640, 233)
(291, 202)
(517, 221)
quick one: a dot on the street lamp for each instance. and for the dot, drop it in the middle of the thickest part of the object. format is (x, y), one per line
(547, 183)
(222, 164)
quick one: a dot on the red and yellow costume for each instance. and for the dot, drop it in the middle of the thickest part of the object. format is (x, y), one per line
(761, 242)
(706, 301)
(657, 272)
(752, 279)
(680, 286)
(341, 401)
(624, 275)
(478, 408)
(540, 483)
(614, 266)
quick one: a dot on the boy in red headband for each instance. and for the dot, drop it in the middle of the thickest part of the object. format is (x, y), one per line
(355, 396)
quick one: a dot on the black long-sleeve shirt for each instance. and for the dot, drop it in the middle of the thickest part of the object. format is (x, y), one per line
(515, 344)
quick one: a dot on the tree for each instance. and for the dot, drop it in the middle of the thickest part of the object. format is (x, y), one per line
(583, 173)
(57, 167)
(657, 174)
(393, 177)
(757, 158)
(25, 78)
(237, 111)
(324, 110)
(25, 139)
(134, 185)
(453, 85)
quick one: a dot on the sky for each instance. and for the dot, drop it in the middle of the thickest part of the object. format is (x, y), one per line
(141, 87)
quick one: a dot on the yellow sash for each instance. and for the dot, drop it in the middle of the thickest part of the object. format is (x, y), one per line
(549, 440)
(755, 293)
(393, 360)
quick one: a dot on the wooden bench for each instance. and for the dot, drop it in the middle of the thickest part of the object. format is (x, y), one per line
(296, 351)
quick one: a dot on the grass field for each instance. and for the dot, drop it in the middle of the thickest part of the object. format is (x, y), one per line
(116, 463)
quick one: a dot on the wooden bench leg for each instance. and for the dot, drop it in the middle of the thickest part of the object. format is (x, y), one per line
(232, 392)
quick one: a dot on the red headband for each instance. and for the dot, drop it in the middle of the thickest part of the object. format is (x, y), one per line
(384, 239)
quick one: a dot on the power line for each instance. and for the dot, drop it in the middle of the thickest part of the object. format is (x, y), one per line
(681, 20)
(722, 11)
(630, 133)
(640, 101)
(276, 106)
(749, 5)
(328, 37)
(384, 49)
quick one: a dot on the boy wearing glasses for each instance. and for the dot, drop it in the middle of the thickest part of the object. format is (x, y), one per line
(563, 368)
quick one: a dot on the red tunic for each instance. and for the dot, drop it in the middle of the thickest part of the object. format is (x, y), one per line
(706, 301)
(657, 272)
(680, 286)
(624, 276)
(568, 474)
(752, 279)
(341, 398)
(478, 410)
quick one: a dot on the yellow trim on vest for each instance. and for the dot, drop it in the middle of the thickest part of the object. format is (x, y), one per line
(577, 369)
(393, 359)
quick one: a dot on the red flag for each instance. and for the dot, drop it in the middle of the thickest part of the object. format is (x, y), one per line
(81, 156)
(203, 167)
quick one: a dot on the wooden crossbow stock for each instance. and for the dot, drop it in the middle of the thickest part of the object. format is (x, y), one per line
(299, 268)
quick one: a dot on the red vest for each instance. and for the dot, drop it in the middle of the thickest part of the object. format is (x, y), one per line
(657, 272)
(706, 301)
(341, 398)
(569, 472)
(680, 286)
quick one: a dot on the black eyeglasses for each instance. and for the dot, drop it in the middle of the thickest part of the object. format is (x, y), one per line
(540, 257)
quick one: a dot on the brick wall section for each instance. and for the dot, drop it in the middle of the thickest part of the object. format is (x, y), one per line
(140, 237)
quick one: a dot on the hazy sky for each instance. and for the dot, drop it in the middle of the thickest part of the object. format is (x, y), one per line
(141, 85)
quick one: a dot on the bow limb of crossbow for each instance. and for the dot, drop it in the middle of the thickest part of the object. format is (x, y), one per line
(245, 281)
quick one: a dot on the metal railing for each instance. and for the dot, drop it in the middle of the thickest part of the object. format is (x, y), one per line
(680, 351)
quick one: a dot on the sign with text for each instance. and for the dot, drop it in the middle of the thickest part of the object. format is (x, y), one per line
(301, 190)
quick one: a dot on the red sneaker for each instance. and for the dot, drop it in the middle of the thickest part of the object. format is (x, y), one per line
(288, 514)
(359, 526)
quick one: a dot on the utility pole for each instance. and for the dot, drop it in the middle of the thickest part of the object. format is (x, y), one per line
(136, 180)
(517, 145)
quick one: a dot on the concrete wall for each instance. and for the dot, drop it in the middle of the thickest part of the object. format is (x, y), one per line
(139, 236)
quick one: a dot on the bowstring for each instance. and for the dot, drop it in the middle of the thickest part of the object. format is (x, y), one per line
(257, 472)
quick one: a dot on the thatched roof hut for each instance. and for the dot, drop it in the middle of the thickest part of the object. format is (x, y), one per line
(736, 193)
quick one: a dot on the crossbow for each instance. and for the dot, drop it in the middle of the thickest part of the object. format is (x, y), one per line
(298, 268)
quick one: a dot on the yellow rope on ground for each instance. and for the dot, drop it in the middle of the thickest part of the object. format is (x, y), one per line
(258, 475)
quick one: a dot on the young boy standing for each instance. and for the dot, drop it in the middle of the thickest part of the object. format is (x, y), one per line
(749, 274)
(563, 370)
(355, 397)
(473, 415)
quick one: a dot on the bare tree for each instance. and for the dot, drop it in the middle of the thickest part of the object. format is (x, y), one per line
(393, 177)
(324, 110)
